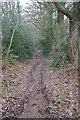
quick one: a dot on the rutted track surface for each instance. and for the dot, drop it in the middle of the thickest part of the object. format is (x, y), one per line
(37, 105)
(33, 101)
(39, 92)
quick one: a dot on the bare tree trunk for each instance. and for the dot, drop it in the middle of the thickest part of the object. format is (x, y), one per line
(71, 42)
(78, 54)
(74, 32)
(79, 67)
(11, 40)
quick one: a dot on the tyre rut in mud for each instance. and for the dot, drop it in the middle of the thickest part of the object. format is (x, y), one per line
(37, 105)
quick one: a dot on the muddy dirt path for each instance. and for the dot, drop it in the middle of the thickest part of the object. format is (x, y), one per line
(37, 105)
(36, 92)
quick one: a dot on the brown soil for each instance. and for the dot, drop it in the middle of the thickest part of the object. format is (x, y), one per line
(33, 91)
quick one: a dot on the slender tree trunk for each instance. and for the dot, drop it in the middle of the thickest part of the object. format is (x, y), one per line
(60, 24)
(50, 25)
(11, 40)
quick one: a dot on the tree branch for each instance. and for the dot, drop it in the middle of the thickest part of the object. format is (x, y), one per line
(63, 10)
